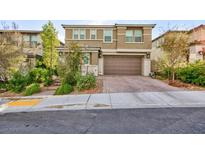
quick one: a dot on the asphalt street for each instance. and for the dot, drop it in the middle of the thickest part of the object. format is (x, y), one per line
(118, 121)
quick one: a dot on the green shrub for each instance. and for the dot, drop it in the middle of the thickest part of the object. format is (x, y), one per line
(69, 78)
(192, 73)
(64, 89)
(3, 85)
(18, 82)
(31, 89)
(38, 75)
(86, 82)
(48, 81)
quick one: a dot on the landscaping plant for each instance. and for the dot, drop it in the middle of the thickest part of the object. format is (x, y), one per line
(38, 75)
(175, 46)
(31, 89)
(86, 82)
(11, 54)
(69, 67)
(18, 82)
(50, 41)
(193, 73)
(64, 89)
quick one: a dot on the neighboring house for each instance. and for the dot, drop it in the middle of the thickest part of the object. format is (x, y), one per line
(157, 52)
(197, 43)
(120, 49)
(31, 43)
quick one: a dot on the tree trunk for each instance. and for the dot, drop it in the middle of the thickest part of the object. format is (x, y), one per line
(173, 76)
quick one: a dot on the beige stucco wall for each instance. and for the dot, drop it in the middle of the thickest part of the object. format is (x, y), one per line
(197, 35)
(146, 66)
(118, 40)
(100, 66)
(194, 53)
(94, 58)
(156, 52)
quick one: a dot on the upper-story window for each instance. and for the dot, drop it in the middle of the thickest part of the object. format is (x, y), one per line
(138, 35)
(93, 34)
(129, 36)
(108, 36)
(75, 34)
(79, 34)
(26, 40)
(82, 34)
(133, 36)
(34, 41)
(30, 41)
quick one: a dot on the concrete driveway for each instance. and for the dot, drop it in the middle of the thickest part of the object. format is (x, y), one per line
(115, 84)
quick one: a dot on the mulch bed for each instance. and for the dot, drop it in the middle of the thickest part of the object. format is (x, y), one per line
(10, 94)
(187, 86)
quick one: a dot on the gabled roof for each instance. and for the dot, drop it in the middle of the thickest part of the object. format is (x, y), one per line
(136, 25)
(108, 26)
(197, 28)
(22, 31)
(169, 31)
(85, 26)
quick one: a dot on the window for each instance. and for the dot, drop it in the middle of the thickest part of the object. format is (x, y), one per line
(86, 58)
(78, 34)
(93, 34)
(34, 40)
(107, 36)
(26, 41)
(26, 38)
(82, 34)
(138, 35)
(30, 40)
(129, 36)
(133, 36)
(75, 34)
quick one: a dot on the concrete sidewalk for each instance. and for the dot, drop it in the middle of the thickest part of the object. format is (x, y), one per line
(106, 101)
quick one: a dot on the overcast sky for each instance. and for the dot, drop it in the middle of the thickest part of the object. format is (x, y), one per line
(161, 25)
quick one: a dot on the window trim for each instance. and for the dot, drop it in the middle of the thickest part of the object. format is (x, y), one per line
(95, 34)
(104, 35)
(134, 31)
(82, 29)
(126, 36)
(133, 36)
(77, 33)
(79, 30)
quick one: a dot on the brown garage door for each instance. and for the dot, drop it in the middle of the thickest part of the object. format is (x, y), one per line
(122, 65)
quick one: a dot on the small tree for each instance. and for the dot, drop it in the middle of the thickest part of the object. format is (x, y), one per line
(176, 50)
(50, 42)
(70, 65)
(11, 52)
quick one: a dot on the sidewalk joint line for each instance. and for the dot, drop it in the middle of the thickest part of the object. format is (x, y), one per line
(110, 100)
(86, 105)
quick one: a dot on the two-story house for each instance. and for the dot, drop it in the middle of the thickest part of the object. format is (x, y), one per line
(157, 52)
(124, 48)
(197, 43)
(30, 41)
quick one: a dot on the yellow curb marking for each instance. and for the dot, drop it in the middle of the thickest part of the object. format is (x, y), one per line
(30, 102)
